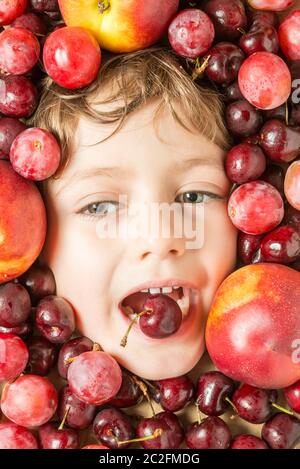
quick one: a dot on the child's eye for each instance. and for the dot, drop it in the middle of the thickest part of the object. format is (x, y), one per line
(196, 197)
(99, 209)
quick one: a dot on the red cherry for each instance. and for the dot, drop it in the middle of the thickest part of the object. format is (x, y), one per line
(13, 356)
(19, 51)
(289, 37)
(11, 9)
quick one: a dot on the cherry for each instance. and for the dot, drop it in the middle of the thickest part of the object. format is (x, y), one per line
(164, 431)
(274, 175)
(112, 426)
(72, 57)
(211, 433)
(232, 92)
(254, 404)
(282, 245)
(275, 5)
(282, 431)
(263, 17)
(292, 184)
(292, 395)
(9, 129)
(243, 119)
(174, 394)
(292, 217)
(248, 442)
(191, 33)
(45, 5)
(35, 154)
(39, 281)
(11, 9)
(18, 96)
(248, 245)
(79, 415)
(213, 392)
(260, 37)
(224, 61)
(129, 394)
(71, 349)
(15, 304)
(42, 356)
(32, 22)
(29, 401)
(14, 436)
(13, 358)
(289, 36)
(228, 17)
(19, 51)
(280, 142)
(52, 437)
(244, 163)
(161, 317)
(256, 207)
(94, 377)
(55, 319)
(265, 80)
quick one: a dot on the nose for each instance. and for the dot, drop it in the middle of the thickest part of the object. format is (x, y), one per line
(159, 247)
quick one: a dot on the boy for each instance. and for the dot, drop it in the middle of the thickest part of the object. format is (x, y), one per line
(143, 132)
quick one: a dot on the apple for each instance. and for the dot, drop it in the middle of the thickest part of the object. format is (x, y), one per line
(22, 223)
(121, 25)
(253, 327)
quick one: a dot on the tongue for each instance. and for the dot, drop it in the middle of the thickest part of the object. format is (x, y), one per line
(136, 301)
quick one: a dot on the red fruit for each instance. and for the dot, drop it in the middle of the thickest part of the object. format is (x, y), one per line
(11, 9)
(253, 327)
(54, 318)
(9, 129)
(224, 62)
(171, 435)
(292, 185)
(256, 207)
(72, 57)
(14, 436)
(243, 119)
(265, 80)
(18, 96)
(29, 401)
(44, 5)
(191, 33)
(39, 281)
(289, 36)
(274, 5)
(51, 437)
(13, 356)
(35, 154)
(280, 142)
(274, 175)
(248, 442)
(96, 446)
(228, 17)
(15, 305)
(32, 22)
(248, 246)
(282, 431)
(292, 395)
(260, 37)
(19, 51)
(282, 245)
(245, 163)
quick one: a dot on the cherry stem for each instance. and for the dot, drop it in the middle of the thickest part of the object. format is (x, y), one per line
(123, 342)
(231, 404)
(155, 434)
(103, 5)
(241, 30)
(199, 69)
(96, 347)
(198, 414)
(61, 427)
(282, 409)
(286, 113)
(144, 390)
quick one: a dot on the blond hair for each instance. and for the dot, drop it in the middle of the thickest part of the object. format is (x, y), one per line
(134, 78)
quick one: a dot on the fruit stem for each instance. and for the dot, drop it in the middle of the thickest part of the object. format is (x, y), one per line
(199, 417)
(96, 347)
(286, 113)
(144, 390)
(241, 30)
(282, 409)
(61, 427)
(199, 69)
(123, 342)
(155, 434)
(231, 404)
(103, 5)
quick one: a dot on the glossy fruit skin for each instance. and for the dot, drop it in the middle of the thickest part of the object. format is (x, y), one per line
(274, 175)
(260, 37)
(9, 129)
(29, 401)
(14, 356)
(256, 207)
(281, 143)
(172, 431)
(212, 389)
(227, 17)
(164, 316)
(292, 395)
(292, 184)
(282, 245)
(18, 96)
(52, 438)
(282, 431)
(10, 10)
(274, 5)
(243, 119)
(80, 415)
(71, 349)
(292, 217)
(32, 22)
(129, 394)
(14, 436)
(191, 33)
(42, 356)
(244, 163)
(71, 57)
(22, 221)
(252, 324)
(224, 62)
(289, 35)
(248, 442)
(174, 393)
(260, 75)
(124, 27)
(15, 304)
(112, 425)
(254, 404)
(248, 245)
(39, 281)
(211, 433)
(55, 319)
(19, 51)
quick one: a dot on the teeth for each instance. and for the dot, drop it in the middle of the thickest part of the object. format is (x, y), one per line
(155, 291)
(166, 289)
(145, 291)
(184, 305)
(176, 288)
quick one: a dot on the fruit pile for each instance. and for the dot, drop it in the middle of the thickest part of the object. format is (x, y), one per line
(242, 51)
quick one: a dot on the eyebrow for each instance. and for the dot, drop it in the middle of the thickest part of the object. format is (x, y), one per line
(178, 166)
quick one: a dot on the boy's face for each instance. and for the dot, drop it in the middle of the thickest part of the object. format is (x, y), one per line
(95, 273)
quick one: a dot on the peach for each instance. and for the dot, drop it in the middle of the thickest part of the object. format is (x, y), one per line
(119, 25)
(22, 223)
(253, 327)
(292, 184)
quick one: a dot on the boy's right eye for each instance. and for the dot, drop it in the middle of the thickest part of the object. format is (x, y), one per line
(98, 209)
